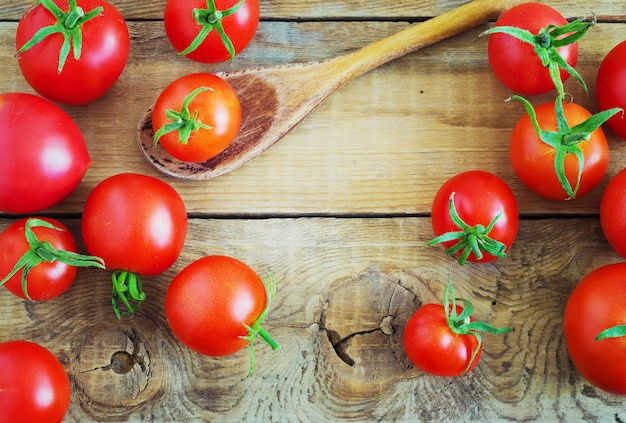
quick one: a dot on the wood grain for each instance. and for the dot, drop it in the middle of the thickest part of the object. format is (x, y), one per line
(338, 212)
(346, 287)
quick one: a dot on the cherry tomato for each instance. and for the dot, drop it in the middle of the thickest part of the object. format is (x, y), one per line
(516, 63)
(196, 117)
(211, 31)
(475, 217)
(137, 224)
(444, 340)
(216, 305)
(44, 156)
(596, 304)
(611, 87)
(87, 72)
(33, 384)
(38, 258)
(613, 213)
(550, 165)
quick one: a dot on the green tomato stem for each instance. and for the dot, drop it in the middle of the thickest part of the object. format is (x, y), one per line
(211, 19)
(462, 324)
(566, 140)
(127, 289)
(547, 41)
(43, 252)
(69, 25)
(470, 238)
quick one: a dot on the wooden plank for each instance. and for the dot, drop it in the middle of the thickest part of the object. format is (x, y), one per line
(383, 144)
(346, 288)
(337, 10)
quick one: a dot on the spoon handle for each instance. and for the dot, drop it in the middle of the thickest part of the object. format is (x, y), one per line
(423, 34)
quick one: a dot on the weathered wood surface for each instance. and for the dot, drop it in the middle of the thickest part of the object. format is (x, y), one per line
(338, 212)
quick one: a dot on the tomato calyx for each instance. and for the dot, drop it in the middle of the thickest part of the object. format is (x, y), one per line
(470, 239)
(256, 329)
(43, 252)
(462, 324)
(612, 332)
(567, 139)
(182, 121)
(69, 25)
(127, 288)
(546, 42)
(211, 19)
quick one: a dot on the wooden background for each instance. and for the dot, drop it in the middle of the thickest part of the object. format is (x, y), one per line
(338, 211)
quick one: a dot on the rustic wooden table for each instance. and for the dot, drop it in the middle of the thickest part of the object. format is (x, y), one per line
(338, 211)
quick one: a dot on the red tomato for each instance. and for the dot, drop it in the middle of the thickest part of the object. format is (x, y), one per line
(598, 303)
(41, 164)
(443, 340)
(103, 53)
(193, 27)
(49, 247)
(514, 62)
(33, 384)
(138, 225)
(613, 213)
(534, 160)
(611, 87)
(196, 117)
(216, 305)
(488, 213)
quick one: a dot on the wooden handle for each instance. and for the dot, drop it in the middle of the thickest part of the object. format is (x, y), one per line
(426, 33)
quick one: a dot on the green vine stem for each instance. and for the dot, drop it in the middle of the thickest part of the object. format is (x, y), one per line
(461, 323)
(547, 41)
(211, 19)
(69, 25)
(256, 329)
(127, 289)
(470, 239)
(43, 252)
(566, 139)
(182, 121)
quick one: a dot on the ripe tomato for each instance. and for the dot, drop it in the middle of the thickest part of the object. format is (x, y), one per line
(613, 213)
(196, 117)
(38, 258)
(95, 33)
(138, 225)
(33, 384)
(443, 340)
(216, 305)
(44, 156)
(598, 303)
(211, 31)
(611, 87)
(515, 59)
(559, 158)
(475, 217)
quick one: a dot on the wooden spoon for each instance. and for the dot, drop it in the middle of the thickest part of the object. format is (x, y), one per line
(275, 99)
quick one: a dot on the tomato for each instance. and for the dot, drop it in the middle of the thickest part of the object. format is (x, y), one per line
(92, 66)
(559, 158)
(137, 224)
(211, 31)
(44, 156)
(443, 340)
(475, 217)
(33, 384)
(596, 304)
(38, 258)
(613, 213)
(215, 306)
(611, 87)
(196, 117)
(541, 41)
